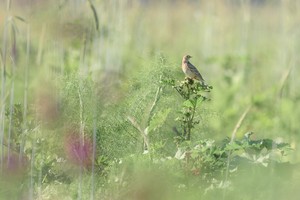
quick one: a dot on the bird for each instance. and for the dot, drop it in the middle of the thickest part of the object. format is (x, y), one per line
(190, 70)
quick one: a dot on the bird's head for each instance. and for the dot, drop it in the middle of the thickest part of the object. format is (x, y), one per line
(186, 57)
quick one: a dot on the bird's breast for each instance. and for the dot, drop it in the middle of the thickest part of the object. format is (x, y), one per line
(187, 71)
(184, 67)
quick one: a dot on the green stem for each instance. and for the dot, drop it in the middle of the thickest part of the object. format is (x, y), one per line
(190, 121)
(189, 91)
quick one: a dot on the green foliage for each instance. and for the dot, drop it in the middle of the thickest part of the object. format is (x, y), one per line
(17, 127)
(214, 163)
(192, 93)
(112, 66)
(207, 169)
(158, 119)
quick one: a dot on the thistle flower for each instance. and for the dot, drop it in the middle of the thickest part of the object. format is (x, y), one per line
(78, 149)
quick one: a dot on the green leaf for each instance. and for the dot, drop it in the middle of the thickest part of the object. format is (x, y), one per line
(20, 18)
(187, 104)
(194, 154)
(158, 119)
(232, 146)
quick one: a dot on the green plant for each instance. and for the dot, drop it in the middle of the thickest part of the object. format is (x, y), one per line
(192, 94)
(205, 162)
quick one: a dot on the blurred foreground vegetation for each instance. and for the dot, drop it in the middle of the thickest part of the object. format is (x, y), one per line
(94, 104)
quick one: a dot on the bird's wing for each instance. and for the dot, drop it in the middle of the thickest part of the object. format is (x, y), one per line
(195, 71)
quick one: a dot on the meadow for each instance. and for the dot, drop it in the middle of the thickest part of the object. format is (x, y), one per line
(94, 103)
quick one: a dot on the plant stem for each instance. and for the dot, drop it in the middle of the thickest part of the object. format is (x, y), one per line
(156, 99)
(239, 123)
(190, 124)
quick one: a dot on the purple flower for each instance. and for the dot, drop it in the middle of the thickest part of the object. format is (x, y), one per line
(78, 149)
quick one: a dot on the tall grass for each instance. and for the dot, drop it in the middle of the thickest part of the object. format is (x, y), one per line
(93, 65)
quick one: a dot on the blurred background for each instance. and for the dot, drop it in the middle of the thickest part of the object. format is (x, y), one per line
(74, 71)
